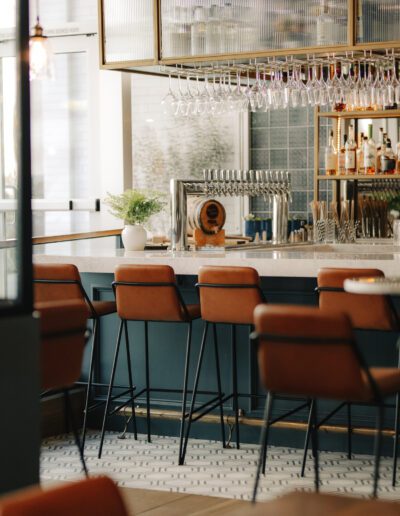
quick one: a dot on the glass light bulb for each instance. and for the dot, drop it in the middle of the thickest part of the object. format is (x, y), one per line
(40, 55)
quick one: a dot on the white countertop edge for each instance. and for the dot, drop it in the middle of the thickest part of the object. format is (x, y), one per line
(302, 266)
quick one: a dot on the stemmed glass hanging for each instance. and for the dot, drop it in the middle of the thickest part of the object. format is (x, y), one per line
(357, 82)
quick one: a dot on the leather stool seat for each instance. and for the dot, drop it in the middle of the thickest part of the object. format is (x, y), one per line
(194, 311)
(103, 308)
(148, 293)
(312, 353)
(228, 295)
(63, 339)
(366, 312)
(91, 497)
(386, 378)
(62, 282)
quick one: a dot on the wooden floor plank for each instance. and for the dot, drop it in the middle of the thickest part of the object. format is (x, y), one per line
(139, 501)
(184, 506)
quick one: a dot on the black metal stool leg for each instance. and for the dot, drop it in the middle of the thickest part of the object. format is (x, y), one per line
(194, 394)
(146, 344)
(90, 380)
(234, 386)
(221, 408)
(307, 439)
(185, 384)
(75, 431)
(263, 439)
(265, 442)
(396, 440)
(110, 387)
(349, 431)
(314, 444)
(378, 448)
(128, 359)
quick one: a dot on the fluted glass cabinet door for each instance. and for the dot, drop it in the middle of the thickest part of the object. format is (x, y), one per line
(215, 27)
(378, 21)
(128, 30)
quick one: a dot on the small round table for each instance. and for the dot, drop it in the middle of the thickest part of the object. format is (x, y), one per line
(373, 286)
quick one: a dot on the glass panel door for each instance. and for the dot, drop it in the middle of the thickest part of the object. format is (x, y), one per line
(128, 30)
(215, 27)
(15, 234)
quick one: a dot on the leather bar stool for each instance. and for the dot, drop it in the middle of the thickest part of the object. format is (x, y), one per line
(149, 293)
(90, 497)
(63, 338)
(305, 351)
(228, 295)
(55, 282)
(366, 312)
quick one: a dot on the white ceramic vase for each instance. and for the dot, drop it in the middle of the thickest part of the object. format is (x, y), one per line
(134, 238)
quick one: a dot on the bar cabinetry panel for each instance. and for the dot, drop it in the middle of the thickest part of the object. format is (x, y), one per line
(378, 21)
(129, 31)
(208, 27)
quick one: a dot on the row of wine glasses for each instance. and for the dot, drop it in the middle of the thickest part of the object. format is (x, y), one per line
(361, 82)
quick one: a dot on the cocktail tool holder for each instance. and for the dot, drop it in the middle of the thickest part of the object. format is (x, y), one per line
(274, 186)
(347, 232)
(324, 231)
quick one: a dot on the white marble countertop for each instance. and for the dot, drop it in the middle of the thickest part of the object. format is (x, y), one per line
(101, 256)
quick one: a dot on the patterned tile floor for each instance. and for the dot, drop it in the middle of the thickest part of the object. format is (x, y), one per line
(209, 469)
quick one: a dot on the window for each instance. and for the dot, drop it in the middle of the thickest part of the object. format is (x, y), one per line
(165, 147)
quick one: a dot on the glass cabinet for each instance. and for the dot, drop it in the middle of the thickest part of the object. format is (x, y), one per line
(129, 31)
(148, 32)
(378, 21)
(212, 27)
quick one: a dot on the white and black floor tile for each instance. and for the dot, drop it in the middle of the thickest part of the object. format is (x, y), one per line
(210, 469)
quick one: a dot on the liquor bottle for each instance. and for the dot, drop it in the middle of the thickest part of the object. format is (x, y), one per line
(198, 31)
(360, 155)
(229, 31)
(360, 22)
(398, 157)
(379, 148)
(214, 31)
(342, 156)
(388, 159)
(369, 153)
(330, 157)
(350, 153)
(325, 26)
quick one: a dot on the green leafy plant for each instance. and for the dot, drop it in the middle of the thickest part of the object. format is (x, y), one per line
(135, 206)
(394, 204)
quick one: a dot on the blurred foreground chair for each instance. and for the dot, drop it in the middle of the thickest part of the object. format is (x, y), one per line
(312, 353)
(63, 338)
(90, 497)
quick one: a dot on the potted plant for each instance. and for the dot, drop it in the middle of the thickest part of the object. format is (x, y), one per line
(134, 207)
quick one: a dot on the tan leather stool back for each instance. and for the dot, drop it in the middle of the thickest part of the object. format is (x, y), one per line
(229, 305)
(365, 312)
(44, 292)
(325, 366)
(63, 329)
(151, 302)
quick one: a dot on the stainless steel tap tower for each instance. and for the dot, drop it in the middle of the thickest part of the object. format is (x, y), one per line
(274, 186)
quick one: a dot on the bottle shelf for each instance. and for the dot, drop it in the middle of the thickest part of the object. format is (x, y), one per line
(387, 113)
(357, 177)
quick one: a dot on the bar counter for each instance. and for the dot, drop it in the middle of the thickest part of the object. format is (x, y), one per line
(297, 260)
(288, 275)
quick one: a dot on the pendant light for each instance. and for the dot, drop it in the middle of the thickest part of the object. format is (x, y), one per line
(40, 53)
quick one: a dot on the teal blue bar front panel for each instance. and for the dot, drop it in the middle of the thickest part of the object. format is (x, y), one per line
(167, 354)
